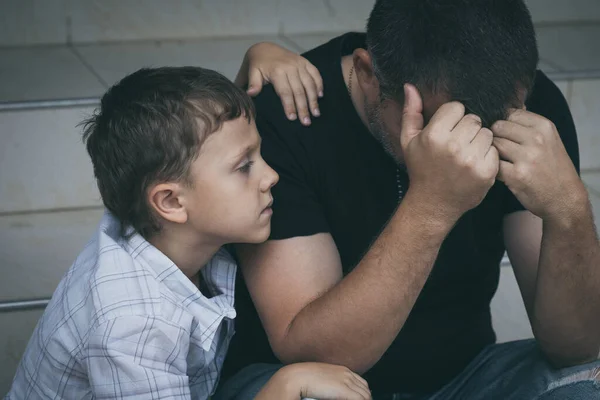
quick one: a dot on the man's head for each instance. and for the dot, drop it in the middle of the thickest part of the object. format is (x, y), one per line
(178, 148)
(481, 53)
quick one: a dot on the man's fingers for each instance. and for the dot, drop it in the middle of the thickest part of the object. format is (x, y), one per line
(412, 114)
(524, 117)
(508, 150)
(255, 82)
(482, 141)
(468, 128)
(311, 92)
(448, 116)
(284, 91)
(505, 171)
(299, 94)
(511, 130)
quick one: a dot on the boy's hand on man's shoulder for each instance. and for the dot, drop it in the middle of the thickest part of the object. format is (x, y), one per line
(296, 81)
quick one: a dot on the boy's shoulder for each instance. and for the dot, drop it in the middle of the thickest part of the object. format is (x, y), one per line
(108, 279)
(128, 276)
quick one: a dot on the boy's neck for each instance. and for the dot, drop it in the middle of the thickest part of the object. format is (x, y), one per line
(188, 251)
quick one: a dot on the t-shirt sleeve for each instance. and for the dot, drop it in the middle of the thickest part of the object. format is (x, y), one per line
(296, 207)
(548, 101)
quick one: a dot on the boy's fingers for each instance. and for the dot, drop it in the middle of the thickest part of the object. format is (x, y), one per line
(284, 91)
(299, 97)
(314, 72)
(255, 82)
(311, 92)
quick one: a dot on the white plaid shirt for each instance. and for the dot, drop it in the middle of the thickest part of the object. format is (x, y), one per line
(126, 323)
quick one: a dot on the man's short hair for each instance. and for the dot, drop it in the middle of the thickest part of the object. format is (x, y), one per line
(149, 129)
(479, 52)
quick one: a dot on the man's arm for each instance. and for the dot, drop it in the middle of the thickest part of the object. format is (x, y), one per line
(556, 264)
(556, 254)
(310, 313)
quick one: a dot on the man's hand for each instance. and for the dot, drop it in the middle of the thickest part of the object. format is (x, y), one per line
(451, 161)
(535, 165)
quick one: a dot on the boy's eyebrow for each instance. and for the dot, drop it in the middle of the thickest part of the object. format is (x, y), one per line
(247, 149)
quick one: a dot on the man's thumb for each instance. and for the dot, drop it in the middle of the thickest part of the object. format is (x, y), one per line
(412, 114)
(255, 82)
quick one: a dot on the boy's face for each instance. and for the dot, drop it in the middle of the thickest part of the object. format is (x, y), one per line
(230, 196)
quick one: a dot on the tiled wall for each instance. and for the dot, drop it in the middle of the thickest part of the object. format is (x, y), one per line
(49, 204)
(26, 22)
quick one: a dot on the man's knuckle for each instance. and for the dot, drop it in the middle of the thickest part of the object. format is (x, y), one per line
(457, 106)
(538, 138)
(454, 148)
(547, 125)
(521, 172)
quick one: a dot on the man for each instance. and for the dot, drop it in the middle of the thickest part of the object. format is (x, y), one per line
(438, 148)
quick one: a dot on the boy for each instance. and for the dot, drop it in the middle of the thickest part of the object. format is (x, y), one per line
(147, 308)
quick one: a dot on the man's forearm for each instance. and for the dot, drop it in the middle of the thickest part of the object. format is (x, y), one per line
(355, 321)
(566, 319)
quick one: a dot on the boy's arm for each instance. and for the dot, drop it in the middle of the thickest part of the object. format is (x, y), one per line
(138, 357)
(315, 380)
(296, 81)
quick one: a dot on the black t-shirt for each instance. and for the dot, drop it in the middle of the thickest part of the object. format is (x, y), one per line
(335, 177)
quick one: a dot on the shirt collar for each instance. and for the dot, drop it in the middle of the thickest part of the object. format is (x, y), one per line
(219, 273)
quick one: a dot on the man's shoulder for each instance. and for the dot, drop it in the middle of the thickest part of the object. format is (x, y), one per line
(545, 97)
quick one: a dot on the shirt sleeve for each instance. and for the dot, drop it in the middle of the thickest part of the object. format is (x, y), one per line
(138, 357)
(548, 101)
(297, 210)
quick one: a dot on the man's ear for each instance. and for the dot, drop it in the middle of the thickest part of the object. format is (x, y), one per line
(365, 74)
(165, 200)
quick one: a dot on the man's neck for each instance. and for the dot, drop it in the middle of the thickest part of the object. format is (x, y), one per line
(189, 251)
(357, 97)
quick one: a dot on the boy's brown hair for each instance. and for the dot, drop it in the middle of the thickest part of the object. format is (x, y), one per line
(149, 129)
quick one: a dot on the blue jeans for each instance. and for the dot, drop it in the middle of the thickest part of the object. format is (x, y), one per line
(514, 370)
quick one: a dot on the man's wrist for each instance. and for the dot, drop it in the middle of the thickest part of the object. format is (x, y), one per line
(574, 208)
(431, 212)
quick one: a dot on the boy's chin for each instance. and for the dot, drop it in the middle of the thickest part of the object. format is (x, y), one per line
(259, 236)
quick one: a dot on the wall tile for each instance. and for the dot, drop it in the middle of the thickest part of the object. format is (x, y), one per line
(564, 11)
(572, 47)
(37, 249)
(27, 22)
(43, 162)
(564, 88)
(14, 336)
(585, 103)
(115, 20)
(508, 311)
(113, 61)
(41, 73)
(318, 16)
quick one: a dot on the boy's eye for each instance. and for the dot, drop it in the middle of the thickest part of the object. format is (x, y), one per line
(246, 167)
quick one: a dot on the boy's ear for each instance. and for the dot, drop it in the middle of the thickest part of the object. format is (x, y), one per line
(164, 199)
